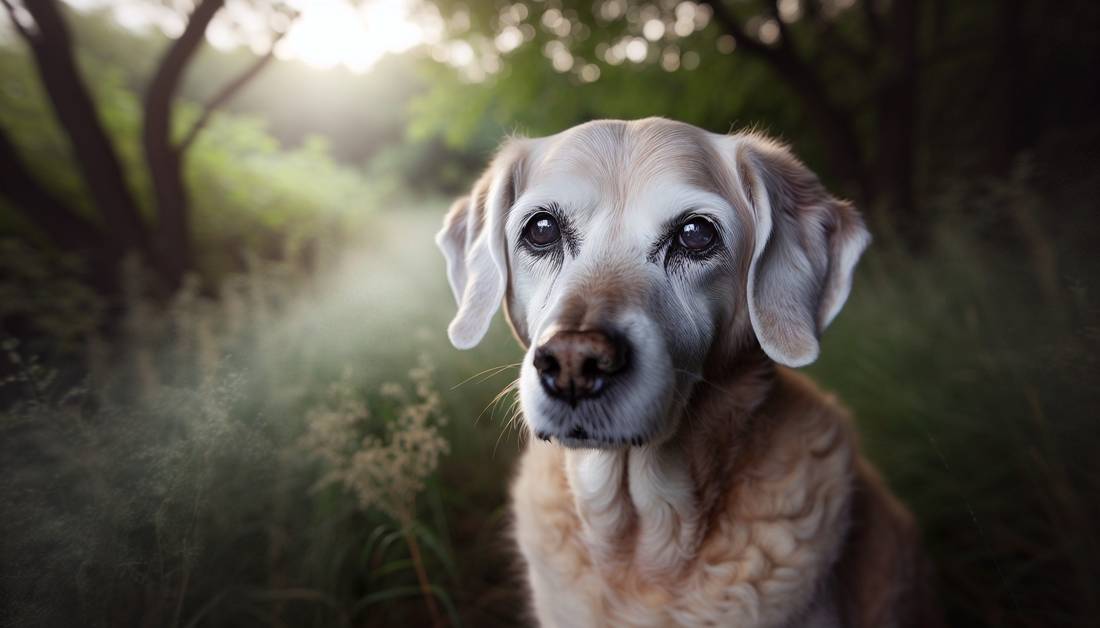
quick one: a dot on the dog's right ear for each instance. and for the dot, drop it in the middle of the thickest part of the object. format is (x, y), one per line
(472, 241)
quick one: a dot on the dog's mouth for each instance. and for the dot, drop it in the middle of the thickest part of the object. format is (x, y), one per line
(578, 437)
(592, 423)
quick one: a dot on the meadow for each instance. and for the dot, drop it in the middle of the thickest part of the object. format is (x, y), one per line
(271, 428)
(210, 469)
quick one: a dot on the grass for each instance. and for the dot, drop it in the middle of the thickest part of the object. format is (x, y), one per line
(975, 389)
(171, 487)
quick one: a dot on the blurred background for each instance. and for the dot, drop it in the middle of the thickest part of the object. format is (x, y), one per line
(226, 394)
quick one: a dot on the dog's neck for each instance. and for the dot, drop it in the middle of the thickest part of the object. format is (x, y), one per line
(653, 505)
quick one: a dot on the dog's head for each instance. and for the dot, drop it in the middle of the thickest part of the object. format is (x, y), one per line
(628, 253)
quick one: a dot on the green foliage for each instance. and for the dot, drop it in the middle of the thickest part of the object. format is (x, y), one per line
(528, 96)
(24, 113)
(248, 192)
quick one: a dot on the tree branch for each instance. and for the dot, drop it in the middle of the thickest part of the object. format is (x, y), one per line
(226, 93)
(23, 32)
(173, 230)
(162, 89)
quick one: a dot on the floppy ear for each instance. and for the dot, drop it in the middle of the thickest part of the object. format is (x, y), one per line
(806, 245)
(472, 241)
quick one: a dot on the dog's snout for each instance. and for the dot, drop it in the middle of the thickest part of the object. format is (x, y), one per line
(574, 365)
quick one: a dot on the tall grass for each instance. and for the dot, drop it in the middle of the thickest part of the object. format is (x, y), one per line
(277, 454)
(268, 455)
(973, 374)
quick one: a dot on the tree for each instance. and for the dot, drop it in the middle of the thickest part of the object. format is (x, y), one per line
(892, 89)
(852, 65)
(120, 226)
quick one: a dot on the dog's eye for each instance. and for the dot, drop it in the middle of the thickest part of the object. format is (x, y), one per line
(542, 230)
(697, 234)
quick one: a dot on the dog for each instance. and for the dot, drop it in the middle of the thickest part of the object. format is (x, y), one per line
(664, 281)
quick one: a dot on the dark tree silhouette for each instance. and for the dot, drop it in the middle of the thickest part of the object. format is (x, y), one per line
(165, 241)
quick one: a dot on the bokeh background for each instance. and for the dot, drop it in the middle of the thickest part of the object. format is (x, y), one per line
(226, 395)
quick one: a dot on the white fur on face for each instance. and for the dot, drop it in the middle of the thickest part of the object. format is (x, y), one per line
(781, 271)
(620, 200)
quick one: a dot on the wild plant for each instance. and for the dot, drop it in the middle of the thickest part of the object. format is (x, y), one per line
(384, 472)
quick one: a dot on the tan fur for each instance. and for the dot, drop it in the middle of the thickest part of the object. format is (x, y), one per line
(785, 503)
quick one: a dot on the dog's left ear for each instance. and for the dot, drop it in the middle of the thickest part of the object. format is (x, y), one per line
(472, 241)
(806, 244)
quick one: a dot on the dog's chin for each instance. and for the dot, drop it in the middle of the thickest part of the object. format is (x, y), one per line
(625, 415)
(579, 438)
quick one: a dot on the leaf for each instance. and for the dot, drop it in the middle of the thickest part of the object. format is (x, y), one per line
(433, 543)
(372, 541)
(393, 566)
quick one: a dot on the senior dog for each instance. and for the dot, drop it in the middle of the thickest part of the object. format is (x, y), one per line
(661, 278)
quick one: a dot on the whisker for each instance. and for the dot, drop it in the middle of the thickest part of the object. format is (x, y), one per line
(496, 370)
(510, 413)
(514, 411)
(496, 399)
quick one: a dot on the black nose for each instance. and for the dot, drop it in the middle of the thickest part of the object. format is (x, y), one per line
(575, 365)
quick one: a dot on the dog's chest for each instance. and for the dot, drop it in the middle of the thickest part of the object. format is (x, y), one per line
(611, 540)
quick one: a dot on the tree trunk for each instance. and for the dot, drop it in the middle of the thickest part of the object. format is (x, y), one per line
(173, 229)
(168, 246)
(57, 221)
(1017, 129)
(42, 209)
(897, 120)
(94, 154)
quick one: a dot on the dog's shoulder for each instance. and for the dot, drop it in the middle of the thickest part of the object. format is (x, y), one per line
(799, 425)
(882, 577)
